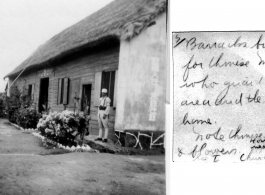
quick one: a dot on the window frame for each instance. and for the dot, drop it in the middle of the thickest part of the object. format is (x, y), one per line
(31, 91)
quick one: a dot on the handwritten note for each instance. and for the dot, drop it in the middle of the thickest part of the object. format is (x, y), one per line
(219, 96)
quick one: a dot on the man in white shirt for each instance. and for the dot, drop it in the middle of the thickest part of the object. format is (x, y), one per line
(103, 116)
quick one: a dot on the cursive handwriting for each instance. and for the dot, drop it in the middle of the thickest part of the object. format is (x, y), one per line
(257, 139)
(216, 135)
(221, 99)
(195, 103)
(245, 83)
(261, 62)
(219, 62)
(236, 134)
(259, 43)
(190, 65)
(192, 43)
(201, 83)
(255, 99)
(199, 151)
(193, 121)
(251, 157)
(220, 95)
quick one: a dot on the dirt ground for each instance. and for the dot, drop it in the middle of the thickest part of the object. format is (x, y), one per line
(28, 168)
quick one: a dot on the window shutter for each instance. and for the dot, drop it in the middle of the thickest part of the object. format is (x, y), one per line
(74, 89)
(115, 89)
(65, 91)
(32, 91)
(59, 91)
(29, 91)
(97, 88)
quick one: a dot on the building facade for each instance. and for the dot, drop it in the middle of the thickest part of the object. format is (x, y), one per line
(133, 70)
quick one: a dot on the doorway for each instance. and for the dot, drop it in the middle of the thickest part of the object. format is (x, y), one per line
(86, 98)
(44, 92)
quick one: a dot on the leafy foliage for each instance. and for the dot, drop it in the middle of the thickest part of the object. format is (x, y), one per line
(17, 100)
(66, 128)
(2, 105)
(27, 117)
(21, 110)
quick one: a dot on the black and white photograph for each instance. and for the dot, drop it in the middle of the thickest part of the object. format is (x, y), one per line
(83, 97)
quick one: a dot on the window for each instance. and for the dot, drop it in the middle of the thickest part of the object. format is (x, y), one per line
(63, 91)
(28, 91)
(31, 91)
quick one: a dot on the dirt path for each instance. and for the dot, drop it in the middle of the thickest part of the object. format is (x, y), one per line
(24, 171)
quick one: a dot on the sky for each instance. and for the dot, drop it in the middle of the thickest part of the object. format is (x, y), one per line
(26, 24)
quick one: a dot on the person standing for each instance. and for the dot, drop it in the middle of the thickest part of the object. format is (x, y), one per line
(103, 116)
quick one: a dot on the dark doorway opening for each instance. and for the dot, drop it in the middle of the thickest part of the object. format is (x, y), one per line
(44, 92)
(86, 99)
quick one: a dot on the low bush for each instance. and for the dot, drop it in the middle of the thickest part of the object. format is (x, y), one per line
(27, 117)
(66, 128)
(20, 109)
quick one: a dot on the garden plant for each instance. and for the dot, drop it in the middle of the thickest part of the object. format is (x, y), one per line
(67, 128)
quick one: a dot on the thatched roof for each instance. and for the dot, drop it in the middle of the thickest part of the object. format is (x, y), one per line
(122, 19)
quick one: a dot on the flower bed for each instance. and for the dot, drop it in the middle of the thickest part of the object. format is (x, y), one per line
(65, 128)
(83, 148)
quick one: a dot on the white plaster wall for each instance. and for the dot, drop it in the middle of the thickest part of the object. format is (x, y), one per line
(9, 82)
(140, 60)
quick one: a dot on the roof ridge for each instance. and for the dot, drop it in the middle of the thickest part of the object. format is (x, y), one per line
(128, 19)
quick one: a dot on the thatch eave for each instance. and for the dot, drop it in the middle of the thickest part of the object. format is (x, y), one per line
(49, 63)
(121, 19)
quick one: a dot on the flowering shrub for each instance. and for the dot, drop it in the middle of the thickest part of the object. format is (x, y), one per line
(27, 118)
(66, 128)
